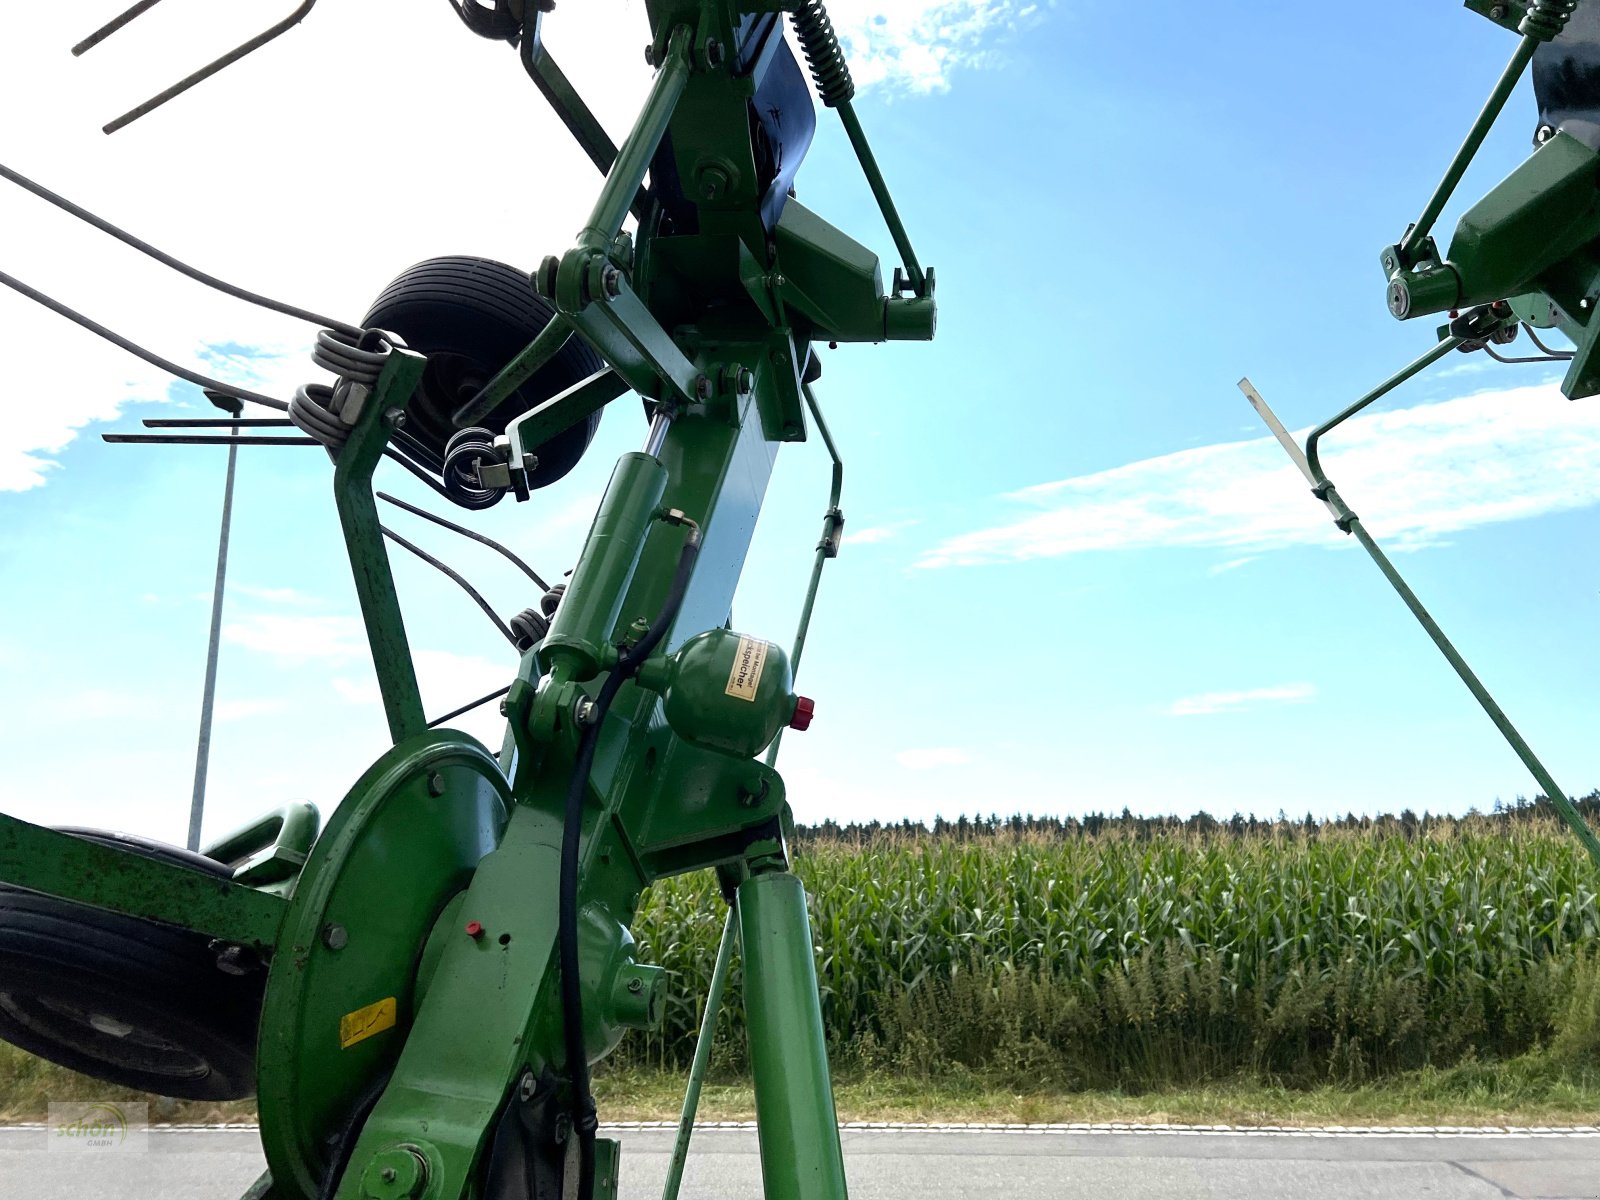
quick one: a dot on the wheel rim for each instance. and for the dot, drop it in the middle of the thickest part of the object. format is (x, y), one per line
(103, 1037)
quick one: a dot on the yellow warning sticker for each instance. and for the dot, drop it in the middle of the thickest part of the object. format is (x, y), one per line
(365, 1022)
(748, 663)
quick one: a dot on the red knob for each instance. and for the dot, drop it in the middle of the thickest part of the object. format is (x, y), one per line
(804, 709)
(474, 929)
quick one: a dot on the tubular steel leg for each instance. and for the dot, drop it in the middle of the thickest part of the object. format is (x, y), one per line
(702, 1056)
(799, 1130)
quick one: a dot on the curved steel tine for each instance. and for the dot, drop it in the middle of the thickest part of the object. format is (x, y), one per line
(210, 69)
(111, 26)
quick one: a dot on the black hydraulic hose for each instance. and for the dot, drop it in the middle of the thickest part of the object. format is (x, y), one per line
(584, 1120)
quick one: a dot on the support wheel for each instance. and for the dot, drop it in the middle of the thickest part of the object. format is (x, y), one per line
(127, 1001)
(471, 316)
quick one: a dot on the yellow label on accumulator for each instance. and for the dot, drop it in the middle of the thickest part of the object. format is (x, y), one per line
(365, 1022)
(748, 663)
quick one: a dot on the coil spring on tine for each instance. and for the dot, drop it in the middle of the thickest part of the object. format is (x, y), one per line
(829, 70)
(359, 361)
(356, 361)
(466, 451)
(1545, 19)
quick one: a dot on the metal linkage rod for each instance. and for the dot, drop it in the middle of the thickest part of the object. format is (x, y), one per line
(702, 1054)
(477, 596)
(468, 533)
(155, 360)
(528, 362)
(827, 547)
(1416, 367)
(1543, 22)
(166, 260)
(880, 191)
(633, 160)
(1347, 520)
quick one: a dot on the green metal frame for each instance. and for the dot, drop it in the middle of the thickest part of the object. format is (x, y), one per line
(412, 1005)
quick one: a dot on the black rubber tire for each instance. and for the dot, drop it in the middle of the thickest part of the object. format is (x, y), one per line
(471, 316)
(124, 1000)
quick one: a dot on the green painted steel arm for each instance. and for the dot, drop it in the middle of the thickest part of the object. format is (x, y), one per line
(102, 876)
(369, 559)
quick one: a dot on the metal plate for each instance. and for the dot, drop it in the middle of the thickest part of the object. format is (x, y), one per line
(340, 999)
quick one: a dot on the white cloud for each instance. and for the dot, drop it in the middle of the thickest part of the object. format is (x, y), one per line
(1210, 703)
(871, 534)
(288, 597)
(337, 643)
(931, 757)
(242, 710)
(298, 638)
(1414, 475)
(1233, 564)
(915, 45)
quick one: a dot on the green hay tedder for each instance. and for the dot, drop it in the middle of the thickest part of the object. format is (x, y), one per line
(415, 991)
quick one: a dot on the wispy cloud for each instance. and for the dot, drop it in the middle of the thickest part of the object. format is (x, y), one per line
(242, 710)
(1210, 703)
(1416, 475)
(933, 756)
(872, 534)
(298, 638)
(284, 596)
(1233, 564)
(338, 643)
(915, 45)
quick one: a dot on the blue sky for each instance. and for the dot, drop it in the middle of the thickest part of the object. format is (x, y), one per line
(1076, 576)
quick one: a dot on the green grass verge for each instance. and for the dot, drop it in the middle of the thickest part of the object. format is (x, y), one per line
(1536, 1089)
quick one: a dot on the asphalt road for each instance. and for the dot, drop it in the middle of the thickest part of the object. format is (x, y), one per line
(919, 1165)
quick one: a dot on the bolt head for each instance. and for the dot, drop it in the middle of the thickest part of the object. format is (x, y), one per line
(611, 280)
(713, 182)
(435, 784)
(505, 707)
(398, 1173)
(527, 1087)
(335, 937)
(650, 55)
(395, 418)
(636, 985)
(1498, 12)
(702, 386)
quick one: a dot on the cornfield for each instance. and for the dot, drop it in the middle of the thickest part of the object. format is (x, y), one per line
(1133, 961)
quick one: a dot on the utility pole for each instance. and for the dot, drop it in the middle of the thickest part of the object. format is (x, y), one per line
(203, 751)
